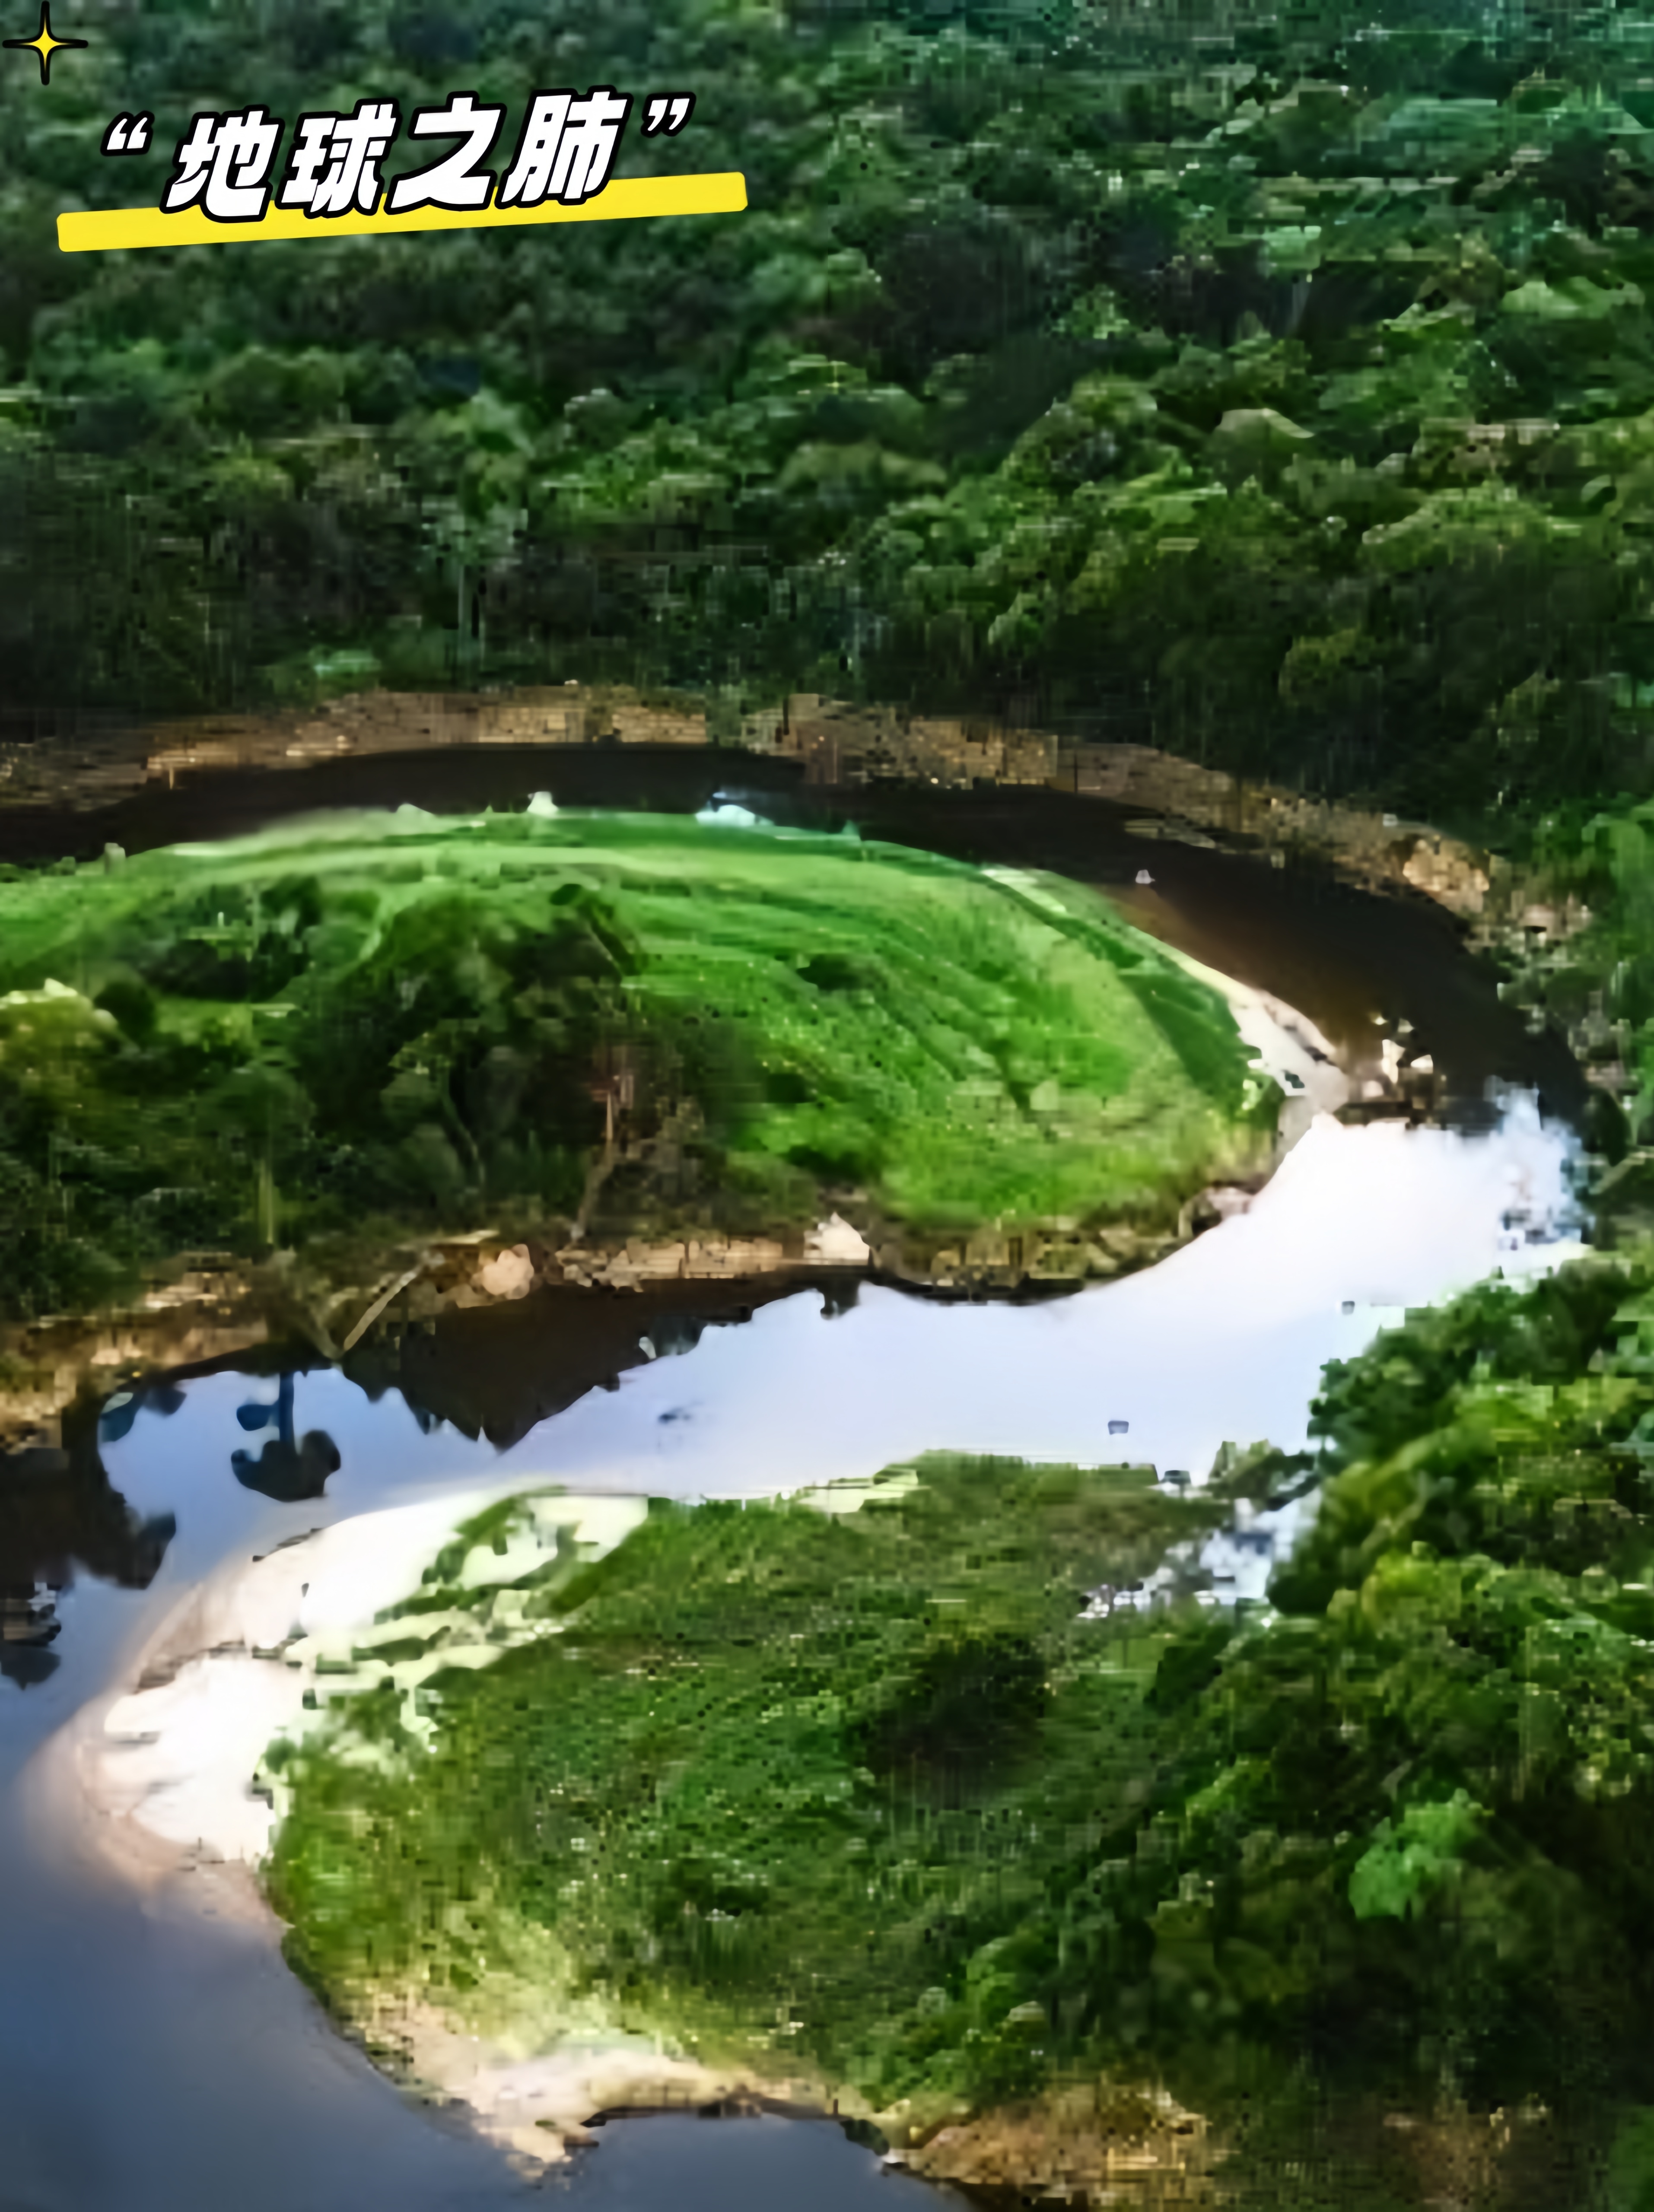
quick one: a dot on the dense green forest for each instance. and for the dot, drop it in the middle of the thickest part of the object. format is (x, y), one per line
(1277, 387)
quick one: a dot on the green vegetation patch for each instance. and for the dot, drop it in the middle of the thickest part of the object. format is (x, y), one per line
(784, 1784)
(400, 1020)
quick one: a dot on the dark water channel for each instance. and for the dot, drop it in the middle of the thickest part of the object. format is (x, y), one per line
(152, 2056)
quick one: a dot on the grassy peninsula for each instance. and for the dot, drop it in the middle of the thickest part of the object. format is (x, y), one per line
(391, 1025)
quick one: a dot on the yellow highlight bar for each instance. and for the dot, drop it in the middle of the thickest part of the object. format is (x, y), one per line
(106, 230)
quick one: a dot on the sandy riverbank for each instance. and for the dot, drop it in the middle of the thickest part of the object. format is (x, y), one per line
(157, 1784)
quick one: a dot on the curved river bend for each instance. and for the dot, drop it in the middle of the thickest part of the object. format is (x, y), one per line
(155, 2052)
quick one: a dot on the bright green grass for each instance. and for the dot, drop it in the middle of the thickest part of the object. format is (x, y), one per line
(401, 1019)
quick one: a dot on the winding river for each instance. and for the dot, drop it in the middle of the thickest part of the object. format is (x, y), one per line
(155, 2051)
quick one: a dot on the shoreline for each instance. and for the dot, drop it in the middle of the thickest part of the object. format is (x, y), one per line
(216, 1307)
(808, 742)
(153, 1784)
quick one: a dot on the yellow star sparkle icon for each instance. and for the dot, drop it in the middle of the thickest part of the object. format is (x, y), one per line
(43, 43)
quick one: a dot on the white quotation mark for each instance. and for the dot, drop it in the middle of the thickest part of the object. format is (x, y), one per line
(668, 112)
(128, 134)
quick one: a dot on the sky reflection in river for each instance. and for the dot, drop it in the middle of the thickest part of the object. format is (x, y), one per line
(1223, 1341)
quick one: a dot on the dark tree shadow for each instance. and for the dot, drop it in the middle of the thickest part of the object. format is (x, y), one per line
(58, 1514)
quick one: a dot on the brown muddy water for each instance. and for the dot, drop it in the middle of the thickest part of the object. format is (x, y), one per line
(153, 2051)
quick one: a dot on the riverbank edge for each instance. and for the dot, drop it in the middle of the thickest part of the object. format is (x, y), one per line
(825, 741)
(213, 1306)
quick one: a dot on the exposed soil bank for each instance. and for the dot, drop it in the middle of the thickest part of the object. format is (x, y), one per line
(810, 739)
